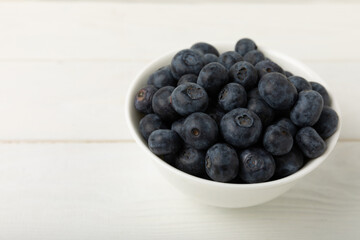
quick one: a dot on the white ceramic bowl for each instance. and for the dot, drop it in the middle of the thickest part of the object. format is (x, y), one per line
(226, 194)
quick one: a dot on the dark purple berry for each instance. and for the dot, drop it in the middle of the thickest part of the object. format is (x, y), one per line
(221, 163)
(256, 165)
(150, 123)
(143, 99)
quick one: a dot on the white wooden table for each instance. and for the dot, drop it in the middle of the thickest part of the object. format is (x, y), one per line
(69, 168)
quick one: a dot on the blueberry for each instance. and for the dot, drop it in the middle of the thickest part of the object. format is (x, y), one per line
(256, 165)
(191, 161)
(212, 77)
(187, 78)
(288, 74)
(186, 61)
(288, 125)
(254, 93)
(241, 127)
(221, 163)
(267, 66)
(161, 104)
(143, 99)
(323, 92)
(216, 113)
(164, 141)
(188, 98)
(209, 58)
(307, 109)
(162, 77)
(232, 96)
(245, 74)
(150, 123)
(262, 109)
(205, 48)
(229, 58)
(199, 131)
(177, 126)
(310, 142)
(300, 83)
(277, 140)
(277, 91)
(244, 46)
(328, 122)
(254, 56)
(288, 163)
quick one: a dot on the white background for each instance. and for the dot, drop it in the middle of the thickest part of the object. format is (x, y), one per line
(69, 168)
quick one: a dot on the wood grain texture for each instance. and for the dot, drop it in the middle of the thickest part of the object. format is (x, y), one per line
(111, 191)
(65, 100)
(90, 30)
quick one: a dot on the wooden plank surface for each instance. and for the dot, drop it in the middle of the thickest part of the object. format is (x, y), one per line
(111, 191)
(64, 71)
(90, 30)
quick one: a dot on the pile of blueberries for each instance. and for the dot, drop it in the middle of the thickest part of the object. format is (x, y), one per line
(234, 117)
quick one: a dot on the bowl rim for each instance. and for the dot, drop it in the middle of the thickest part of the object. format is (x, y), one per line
(309, 167)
